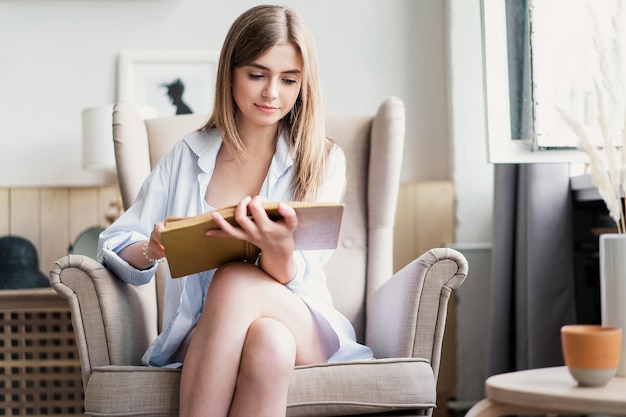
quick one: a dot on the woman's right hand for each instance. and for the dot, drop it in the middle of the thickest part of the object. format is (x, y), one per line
(155, 248)
(142, 255)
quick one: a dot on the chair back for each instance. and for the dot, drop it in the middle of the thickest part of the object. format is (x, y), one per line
(373, 146)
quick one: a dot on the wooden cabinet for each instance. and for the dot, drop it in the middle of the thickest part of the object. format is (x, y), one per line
(39, 364)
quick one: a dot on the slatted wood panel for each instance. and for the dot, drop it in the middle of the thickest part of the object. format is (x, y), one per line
(424, 219)
(39, 364)
(4, 211)
(52, 218)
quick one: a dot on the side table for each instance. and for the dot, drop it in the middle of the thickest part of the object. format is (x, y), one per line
(548, 391)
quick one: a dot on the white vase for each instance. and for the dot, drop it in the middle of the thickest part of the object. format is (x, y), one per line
(613, 287)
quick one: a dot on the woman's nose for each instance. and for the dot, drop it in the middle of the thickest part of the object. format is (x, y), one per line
(271, 89)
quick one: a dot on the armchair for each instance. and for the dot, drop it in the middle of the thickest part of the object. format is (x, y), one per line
(401, 317)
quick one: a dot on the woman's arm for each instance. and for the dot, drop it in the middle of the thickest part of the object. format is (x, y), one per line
(276, 257)
(120, 246)
(143, 255)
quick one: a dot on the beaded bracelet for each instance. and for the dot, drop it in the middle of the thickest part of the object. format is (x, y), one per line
(147, 256)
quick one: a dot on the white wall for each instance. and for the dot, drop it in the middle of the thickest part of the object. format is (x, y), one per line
(473, 179)
(59, 56)
(472, 174)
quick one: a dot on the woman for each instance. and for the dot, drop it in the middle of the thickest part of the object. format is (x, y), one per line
(240, 329)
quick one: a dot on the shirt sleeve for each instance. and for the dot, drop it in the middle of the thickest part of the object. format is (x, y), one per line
(135, 225)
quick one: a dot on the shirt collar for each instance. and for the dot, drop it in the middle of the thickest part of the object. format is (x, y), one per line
(205, 144)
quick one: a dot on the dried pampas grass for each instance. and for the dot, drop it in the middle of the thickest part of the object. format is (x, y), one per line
(608, 162)
(606, 172)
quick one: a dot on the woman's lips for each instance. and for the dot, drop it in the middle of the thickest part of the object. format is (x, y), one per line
(267, 109)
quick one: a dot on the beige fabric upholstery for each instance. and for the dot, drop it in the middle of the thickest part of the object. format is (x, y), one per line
(401, 318)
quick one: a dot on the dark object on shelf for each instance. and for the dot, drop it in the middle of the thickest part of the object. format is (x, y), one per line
(19, 264)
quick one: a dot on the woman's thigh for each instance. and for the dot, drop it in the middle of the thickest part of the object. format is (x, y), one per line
(244, 290)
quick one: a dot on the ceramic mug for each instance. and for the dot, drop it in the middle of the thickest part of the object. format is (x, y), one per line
(591, 352)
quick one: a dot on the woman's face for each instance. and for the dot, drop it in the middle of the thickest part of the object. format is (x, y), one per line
(266, 89)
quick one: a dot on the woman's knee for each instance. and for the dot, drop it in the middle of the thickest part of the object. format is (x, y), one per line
(269, 350)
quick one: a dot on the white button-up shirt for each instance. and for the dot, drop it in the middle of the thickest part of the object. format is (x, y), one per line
(176, 187)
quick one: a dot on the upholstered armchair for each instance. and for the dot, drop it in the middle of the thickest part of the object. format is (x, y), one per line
(401, 317)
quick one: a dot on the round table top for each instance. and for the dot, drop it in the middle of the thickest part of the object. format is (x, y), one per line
(555, 389)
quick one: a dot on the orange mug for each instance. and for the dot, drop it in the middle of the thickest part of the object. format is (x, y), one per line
(591, 352)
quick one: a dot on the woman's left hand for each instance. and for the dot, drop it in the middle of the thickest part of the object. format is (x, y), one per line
(274, 238)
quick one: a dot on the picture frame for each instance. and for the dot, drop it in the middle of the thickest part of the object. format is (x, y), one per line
(172, 82)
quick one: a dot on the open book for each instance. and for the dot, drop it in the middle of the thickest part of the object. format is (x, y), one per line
(189, 250)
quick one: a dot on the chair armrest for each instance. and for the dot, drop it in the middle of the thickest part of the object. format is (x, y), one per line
(113, 322)
(406, 316)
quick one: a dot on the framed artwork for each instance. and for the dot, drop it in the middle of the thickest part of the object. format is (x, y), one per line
(173, 82)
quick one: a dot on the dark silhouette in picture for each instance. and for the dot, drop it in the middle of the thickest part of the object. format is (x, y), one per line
(175, 92)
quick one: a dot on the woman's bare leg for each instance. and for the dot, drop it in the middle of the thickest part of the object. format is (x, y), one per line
(219, 358)
(267, 361)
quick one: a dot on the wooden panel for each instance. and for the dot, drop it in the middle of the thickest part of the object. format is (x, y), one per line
(24, 214)
(424, 219)
(54, 231)
(4, 212)
(110, 205)
(84, 210)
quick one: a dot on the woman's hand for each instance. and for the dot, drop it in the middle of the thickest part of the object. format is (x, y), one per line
(142, 255)
(274, 238)
(155, 248)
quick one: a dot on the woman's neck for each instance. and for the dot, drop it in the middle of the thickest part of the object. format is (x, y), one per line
(258, 138)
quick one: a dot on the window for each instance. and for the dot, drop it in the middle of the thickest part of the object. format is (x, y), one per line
(541, 59)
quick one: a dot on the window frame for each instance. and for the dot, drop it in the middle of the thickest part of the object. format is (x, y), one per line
(501, 147)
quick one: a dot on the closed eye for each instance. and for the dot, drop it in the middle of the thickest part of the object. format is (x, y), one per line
(260, 71)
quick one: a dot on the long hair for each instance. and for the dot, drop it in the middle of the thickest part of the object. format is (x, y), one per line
(250, 36)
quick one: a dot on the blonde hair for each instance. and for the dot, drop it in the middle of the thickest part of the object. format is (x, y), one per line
(250, 36)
